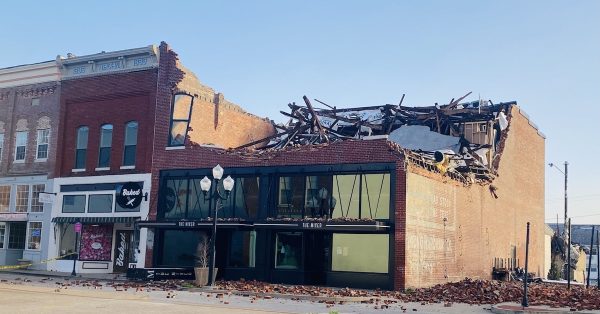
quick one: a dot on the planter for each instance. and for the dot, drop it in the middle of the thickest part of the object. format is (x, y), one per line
(202, 275)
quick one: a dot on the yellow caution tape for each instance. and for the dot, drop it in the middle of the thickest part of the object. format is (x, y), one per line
(31, 264)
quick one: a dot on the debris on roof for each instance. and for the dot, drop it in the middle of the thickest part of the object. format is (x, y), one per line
(462, 140)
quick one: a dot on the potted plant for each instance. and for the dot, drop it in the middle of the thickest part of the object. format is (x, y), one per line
(201, 268)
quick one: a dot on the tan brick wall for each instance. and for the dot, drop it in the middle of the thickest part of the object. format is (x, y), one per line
(217, 121)
(453, 231)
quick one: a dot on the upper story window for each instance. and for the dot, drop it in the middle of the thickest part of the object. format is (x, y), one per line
(81, 147)
(22, 198)
(1, 145)
(20, 146)
(180, 118)
(4, 198)
(361, 196)
(131, 132)
(43, 139)
(35, 101)
(105, 146)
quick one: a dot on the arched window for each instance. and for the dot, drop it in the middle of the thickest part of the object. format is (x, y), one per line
(131, 131)
(81, 147)
(105, 146)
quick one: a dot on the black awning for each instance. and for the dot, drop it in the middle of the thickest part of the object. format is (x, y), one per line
(94, 220)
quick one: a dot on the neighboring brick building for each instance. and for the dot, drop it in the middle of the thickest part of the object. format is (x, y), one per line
(431, 228)
(110, 103)
(29, 120)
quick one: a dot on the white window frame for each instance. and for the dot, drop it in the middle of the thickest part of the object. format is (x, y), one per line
(31, 198)
(28, 197)
(3, 238)
(17, 146)
(47, 143)
(1, 146)
(28, 235)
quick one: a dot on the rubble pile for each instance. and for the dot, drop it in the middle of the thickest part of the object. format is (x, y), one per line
(461, 139)
(469, 291)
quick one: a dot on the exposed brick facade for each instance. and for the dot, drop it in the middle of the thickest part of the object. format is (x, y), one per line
(18, 114)
(108, 99)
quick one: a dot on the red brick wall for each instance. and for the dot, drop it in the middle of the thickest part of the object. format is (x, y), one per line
(478, 227)
(108, 99)
(15, 105)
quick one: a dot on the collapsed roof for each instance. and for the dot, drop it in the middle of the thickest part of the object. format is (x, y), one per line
(461, 140)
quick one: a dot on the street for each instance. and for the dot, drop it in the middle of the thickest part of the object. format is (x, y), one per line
(30, 294)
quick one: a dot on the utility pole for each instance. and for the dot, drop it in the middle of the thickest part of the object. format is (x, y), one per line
(587, 284)
(569, 256)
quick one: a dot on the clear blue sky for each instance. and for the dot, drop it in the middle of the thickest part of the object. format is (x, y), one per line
(264, 54)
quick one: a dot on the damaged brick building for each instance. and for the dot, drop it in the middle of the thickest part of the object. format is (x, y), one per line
(377, 197)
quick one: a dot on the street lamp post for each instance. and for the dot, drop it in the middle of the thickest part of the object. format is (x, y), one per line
(205, 185)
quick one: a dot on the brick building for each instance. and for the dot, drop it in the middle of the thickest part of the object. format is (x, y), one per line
(363, 211)
(29, 120)
(109, 105)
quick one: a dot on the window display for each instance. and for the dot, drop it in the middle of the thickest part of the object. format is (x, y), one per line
(288, 254)
(96, 243)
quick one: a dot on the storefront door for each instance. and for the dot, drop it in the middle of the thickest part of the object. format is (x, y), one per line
(122, 247)
(316, 258)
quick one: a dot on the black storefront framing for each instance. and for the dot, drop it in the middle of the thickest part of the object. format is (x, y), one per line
(305, 243)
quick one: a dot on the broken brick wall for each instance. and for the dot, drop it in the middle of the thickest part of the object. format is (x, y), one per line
(217, 121)
(453, 231)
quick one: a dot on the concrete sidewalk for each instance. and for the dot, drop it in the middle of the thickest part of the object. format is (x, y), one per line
(46, 273)
(510, 308)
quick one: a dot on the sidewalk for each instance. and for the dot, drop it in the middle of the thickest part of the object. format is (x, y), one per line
(510, 308)
(46, 273)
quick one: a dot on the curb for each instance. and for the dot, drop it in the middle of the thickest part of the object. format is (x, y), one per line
(510, 308)
(290, 296)
(78, 277)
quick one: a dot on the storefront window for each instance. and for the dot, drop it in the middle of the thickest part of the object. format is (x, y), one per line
(34, 235)
(96, 243)
(16, 235)
(2, 233)
(67, 241)
(181, 248)
(290, 197)
(100, 203)
(368, 253)
(318, 196)
(375, 198)
(244, 199)
(175, 199)
(73, 204)
(242, 251)
(345, 191)
(198, 206)
(288, 250)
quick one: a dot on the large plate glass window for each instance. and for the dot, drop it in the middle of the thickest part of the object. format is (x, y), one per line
(4, 198)
(67, 242)
(34, 235)
(242, 252)
(22, 199)
(105, 146)
(375, 196)
(318, 199)
(131, 131)
(73, 204)
(81, 147)
(288, 250)
(365, 253)
(346, 190)
(290, 197)
(20, 145)
(174, 199)
(182, 248)
(43, 139)
(180, 118)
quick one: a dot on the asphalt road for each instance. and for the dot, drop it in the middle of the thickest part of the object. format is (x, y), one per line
(30, 294)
